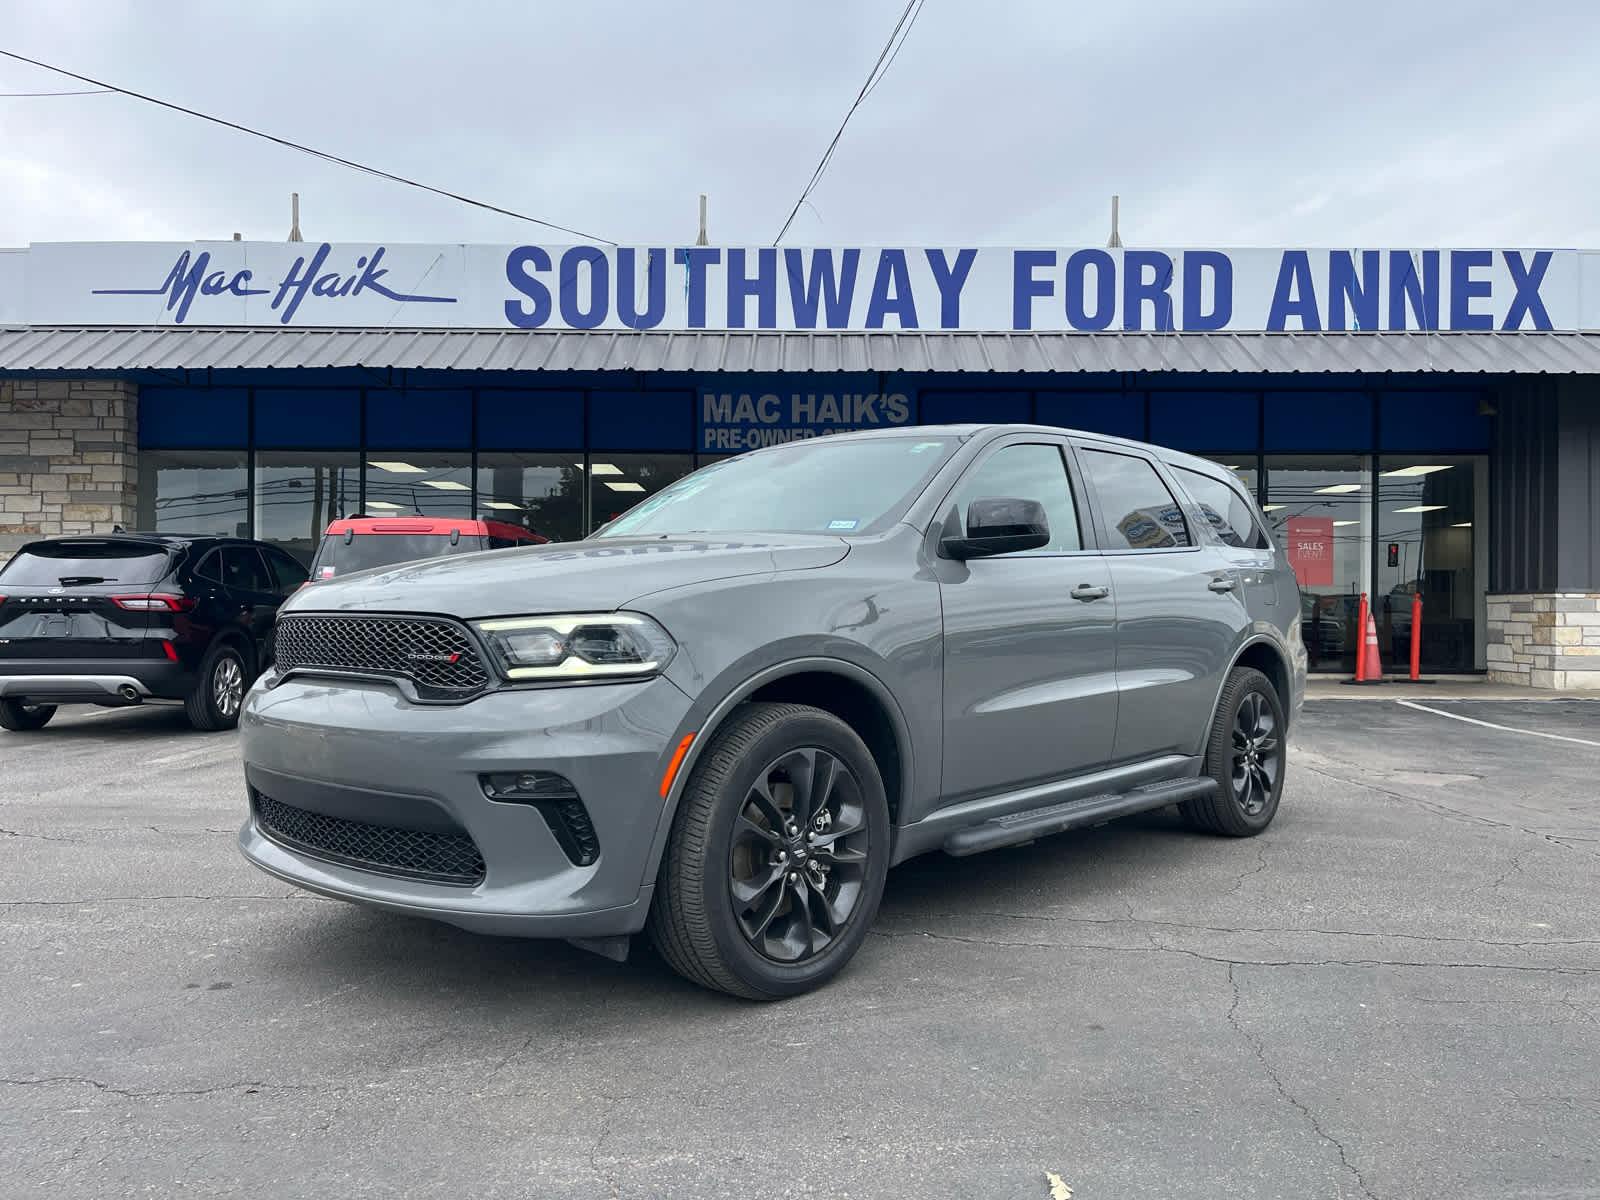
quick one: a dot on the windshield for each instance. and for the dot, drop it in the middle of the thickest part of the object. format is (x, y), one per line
(367, 550)
(821, 485)
(69, 564)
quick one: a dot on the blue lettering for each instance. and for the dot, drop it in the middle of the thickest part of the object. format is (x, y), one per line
(369, 281)
(1361, 294)
(950, 281)
(1024, 287)
(695, 260)
(1464, 288)
(764, 287)
(1405, 288)
(1136, 289)
(834, 292)
(1294, 295)
(519, 276)
(655, 270)
(298, 282)
(1220, 266)
(1105, 290)
(892, 272)
(599, 287)
(184, 282)
(1526, 279)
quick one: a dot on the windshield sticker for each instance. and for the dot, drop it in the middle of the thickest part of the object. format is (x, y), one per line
(842, 525)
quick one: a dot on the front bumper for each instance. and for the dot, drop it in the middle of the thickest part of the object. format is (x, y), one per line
(93, 681)
(360, 754)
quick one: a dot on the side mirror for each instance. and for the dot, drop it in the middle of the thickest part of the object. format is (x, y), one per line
(1001, 526)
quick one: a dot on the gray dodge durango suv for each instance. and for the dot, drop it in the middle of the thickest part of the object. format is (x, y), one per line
(724, 716)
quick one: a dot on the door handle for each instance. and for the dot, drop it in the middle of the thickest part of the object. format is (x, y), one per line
(1220, 584)
(1089, 591)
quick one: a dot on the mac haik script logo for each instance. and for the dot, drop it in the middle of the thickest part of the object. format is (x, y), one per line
(193, 277)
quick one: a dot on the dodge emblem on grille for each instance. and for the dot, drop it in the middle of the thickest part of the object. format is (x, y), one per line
(417, 656)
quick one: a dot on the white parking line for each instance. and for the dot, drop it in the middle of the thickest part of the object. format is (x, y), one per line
(1555, 737)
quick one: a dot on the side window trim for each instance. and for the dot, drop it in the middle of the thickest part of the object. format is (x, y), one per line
(1102, 530)
(1087, 532)
(1261, 543)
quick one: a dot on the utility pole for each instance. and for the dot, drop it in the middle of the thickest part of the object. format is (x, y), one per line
(294, 227)
(1116, 238)
(702, 240)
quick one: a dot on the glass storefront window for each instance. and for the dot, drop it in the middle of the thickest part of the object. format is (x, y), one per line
(619, 481)
(1427, 512)
(299, 492)
(418, 483)
(193, 491)
(541, 492)
(1319, 507)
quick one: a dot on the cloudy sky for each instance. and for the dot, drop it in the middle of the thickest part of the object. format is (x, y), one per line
(1002, 122)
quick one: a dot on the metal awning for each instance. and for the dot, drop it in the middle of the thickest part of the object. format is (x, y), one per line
(175, 348)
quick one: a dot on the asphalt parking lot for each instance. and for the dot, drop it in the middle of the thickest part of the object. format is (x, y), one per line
(1395, 992)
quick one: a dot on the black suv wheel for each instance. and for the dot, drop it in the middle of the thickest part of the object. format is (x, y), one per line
(777, 857)
(1246, 754)
(217, 697)
(23, 717)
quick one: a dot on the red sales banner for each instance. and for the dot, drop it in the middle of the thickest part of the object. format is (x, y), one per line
(1311, 550)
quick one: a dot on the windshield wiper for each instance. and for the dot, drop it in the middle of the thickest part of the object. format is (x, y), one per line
(76, 580)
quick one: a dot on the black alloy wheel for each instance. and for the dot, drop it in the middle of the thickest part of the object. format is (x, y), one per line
(219, 694)
(777, 857)
(1247, 755)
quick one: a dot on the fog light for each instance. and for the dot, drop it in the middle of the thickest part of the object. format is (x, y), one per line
(527, 785)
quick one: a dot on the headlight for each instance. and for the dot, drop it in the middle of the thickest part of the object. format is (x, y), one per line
(576, 647)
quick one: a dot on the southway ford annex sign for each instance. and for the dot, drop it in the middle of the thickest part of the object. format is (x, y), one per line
(308, 284)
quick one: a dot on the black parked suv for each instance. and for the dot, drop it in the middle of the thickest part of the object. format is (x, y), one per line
(129, 617)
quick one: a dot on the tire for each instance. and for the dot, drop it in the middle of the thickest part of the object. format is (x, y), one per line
(745, 906)
(217, 697)
(23, 718)
(1247, 755)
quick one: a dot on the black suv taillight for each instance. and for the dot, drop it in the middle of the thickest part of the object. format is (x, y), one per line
(154, 602)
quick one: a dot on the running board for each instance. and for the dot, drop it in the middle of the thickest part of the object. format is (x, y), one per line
(1057, 818)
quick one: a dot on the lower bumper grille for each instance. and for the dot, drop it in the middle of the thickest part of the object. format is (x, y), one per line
(449, 858)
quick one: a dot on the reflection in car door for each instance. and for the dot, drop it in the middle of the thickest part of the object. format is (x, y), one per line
(1179, 611)
(1029, 683)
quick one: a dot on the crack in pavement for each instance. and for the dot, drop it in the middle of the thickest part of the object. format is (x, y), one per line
(43, 837)
(1261, 865)
(1514, 868)
(614, 1103)
(1157, 948)
(1261, 1057)
(154, 1094)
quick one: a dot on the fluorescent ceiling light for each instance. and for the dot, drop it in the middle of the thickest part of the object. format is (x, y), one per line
(1270, 507)
(501, 504)
(625, 487)
(604, 469)
(1424, 470)
(1421, 508)
(447, 485)
(1338, 523)
(381, 504)
(1338, 487)
(396, 468)
(1462, 525)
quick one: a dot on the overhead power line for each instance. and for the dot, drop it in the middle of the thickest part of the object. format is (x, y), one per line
(322, 154)
(891, 51)
(26, 95)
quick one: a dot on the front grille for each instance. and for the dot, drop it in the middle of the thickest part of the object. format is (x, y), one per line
(451, 858)
(436, 655)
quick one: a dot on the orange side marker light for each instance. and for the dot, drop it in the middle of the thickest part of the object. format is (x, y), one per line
(672, 767)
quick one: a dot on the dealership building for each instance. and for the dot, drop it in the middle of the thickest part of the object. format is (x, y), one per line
(1412, 421)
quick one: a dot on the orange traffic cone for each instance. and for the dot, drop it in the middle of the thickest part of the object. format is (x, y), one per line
(1369, 664)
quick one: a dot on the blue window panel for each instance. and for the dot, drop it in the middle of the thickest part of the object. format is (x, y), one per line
(203, 418)
(530, 419)
(1432, 421)
(1205, 421)
(1120, 414)
(1318, 421)
(641, 420)
(308, 418)
(960, 408)
(419, 419)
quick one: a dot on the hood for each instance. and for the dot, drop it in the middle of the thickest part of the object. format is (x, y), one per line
(590, 576)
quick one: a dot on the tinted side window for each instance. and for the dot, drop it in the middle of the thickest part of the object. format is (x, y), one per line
(1139, 511)
(287, 574)
(210, 567)
(1230, 514)
(242, 568)
(1031, 472)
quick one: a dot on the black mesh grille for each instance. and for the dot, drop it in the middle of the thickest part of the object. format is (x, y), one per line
(416, 854)
(436, 655)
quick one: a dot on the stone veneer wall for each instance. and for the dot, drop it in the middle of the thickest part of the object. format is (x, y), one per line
(1548, 640)
(69, 458)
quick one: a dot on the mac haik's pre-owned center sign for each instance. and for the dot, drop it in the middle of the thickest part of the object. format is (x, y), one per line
(306, 284)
